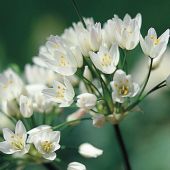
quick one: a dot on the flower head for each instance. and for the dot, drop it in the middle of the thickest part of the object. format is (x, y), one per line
(106, 60)
(123, 86)
(153, 46)
(127, 31)
(86, 101)
(15, 142)
(61, 93)
(47, 143)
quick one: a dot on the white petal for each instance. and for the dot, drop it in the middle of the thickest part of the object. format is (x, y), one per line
(7, 134)
(20, 128)
(50, 156)
(6, 148)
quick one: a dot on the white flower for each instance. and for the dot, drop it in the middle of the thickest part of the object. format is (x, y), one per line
(11, 86)
(168, 81)
(47, 143)
(89, 151)
(38, 75)
(95, 36)
(107, 32)
(153, 46)
(87, 73)
(40, 102)
(123, 86)
(127, 31)
(26, 106)
(76, 166)
(15, 142)
(106, 60)
(86, 101)
(10, 107)
(62, 93)
(35, 131)
(58, 57)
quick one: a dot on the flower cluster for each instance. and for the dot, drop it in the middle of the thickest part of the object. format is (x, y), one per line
(85, 69)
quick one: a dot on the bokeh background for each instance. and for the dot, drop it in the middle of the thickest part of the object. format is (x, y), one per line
(25, 25)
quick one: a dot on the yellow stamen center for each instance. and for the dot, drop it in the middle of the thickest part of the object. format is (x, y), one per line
(60, 92)
(63, 62)
(46, 146)
(156, 41)
(17, 142)
(106, 60)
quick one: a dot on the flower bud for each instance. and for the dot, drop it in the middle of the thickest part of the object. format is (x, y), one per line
(76, 166)
(26, 107)
(86, 101)
(89, 151)
(87, 74)
(98, 120)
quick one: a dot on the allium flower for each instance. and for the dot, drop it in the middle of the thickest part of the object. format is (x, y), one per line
(38, 75)
(26, 106)
(40, 102)
(89, 151)
(127, 31)
(15, 142)
(58, 57)
(76, 166)
(62, 93)
(86, 101)
(36, 131)
(47, 143)
(11, 85)
(106, 60)
(153, 46)
(123, 87)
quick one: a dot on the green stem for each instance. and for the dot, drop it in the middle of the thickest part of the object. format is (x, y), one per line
(158, 86)
(68, 123)
(78, 13)
(147, 79)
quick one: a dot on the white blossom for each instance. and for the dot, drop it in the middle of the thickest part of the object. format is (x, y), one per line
(127, 31)
(11, 86)
(62, 93)
(40, 102)
(38, 75)
(153, 46)
(76, 166)
(86, 101)
(87, 73)
(89, 151)
(26, 106)
(106, 60)
(123, 86)
(33, 133)
(15, 142)
(47, 143)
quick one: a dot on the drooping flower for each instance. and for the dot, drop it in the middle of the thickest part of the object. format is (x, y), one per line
(106, 60)
(76, 166)
(123, 86)
(76, 115)
(15, 142)
(86, 101)
(47, 143)
(153, 46)
(62, 93)
(127, 31)
(26, 106)
(89, 151)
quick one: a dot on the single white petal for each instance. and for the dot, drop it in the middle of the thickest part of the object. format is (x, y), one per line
(76, 166)
(50, 156)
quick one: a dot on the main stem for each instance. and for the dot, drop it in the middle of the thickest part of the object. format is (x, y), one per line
(122, 147)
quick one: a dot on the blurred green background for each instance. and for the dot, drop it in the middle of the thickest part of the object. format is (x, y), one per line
(25, 25)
